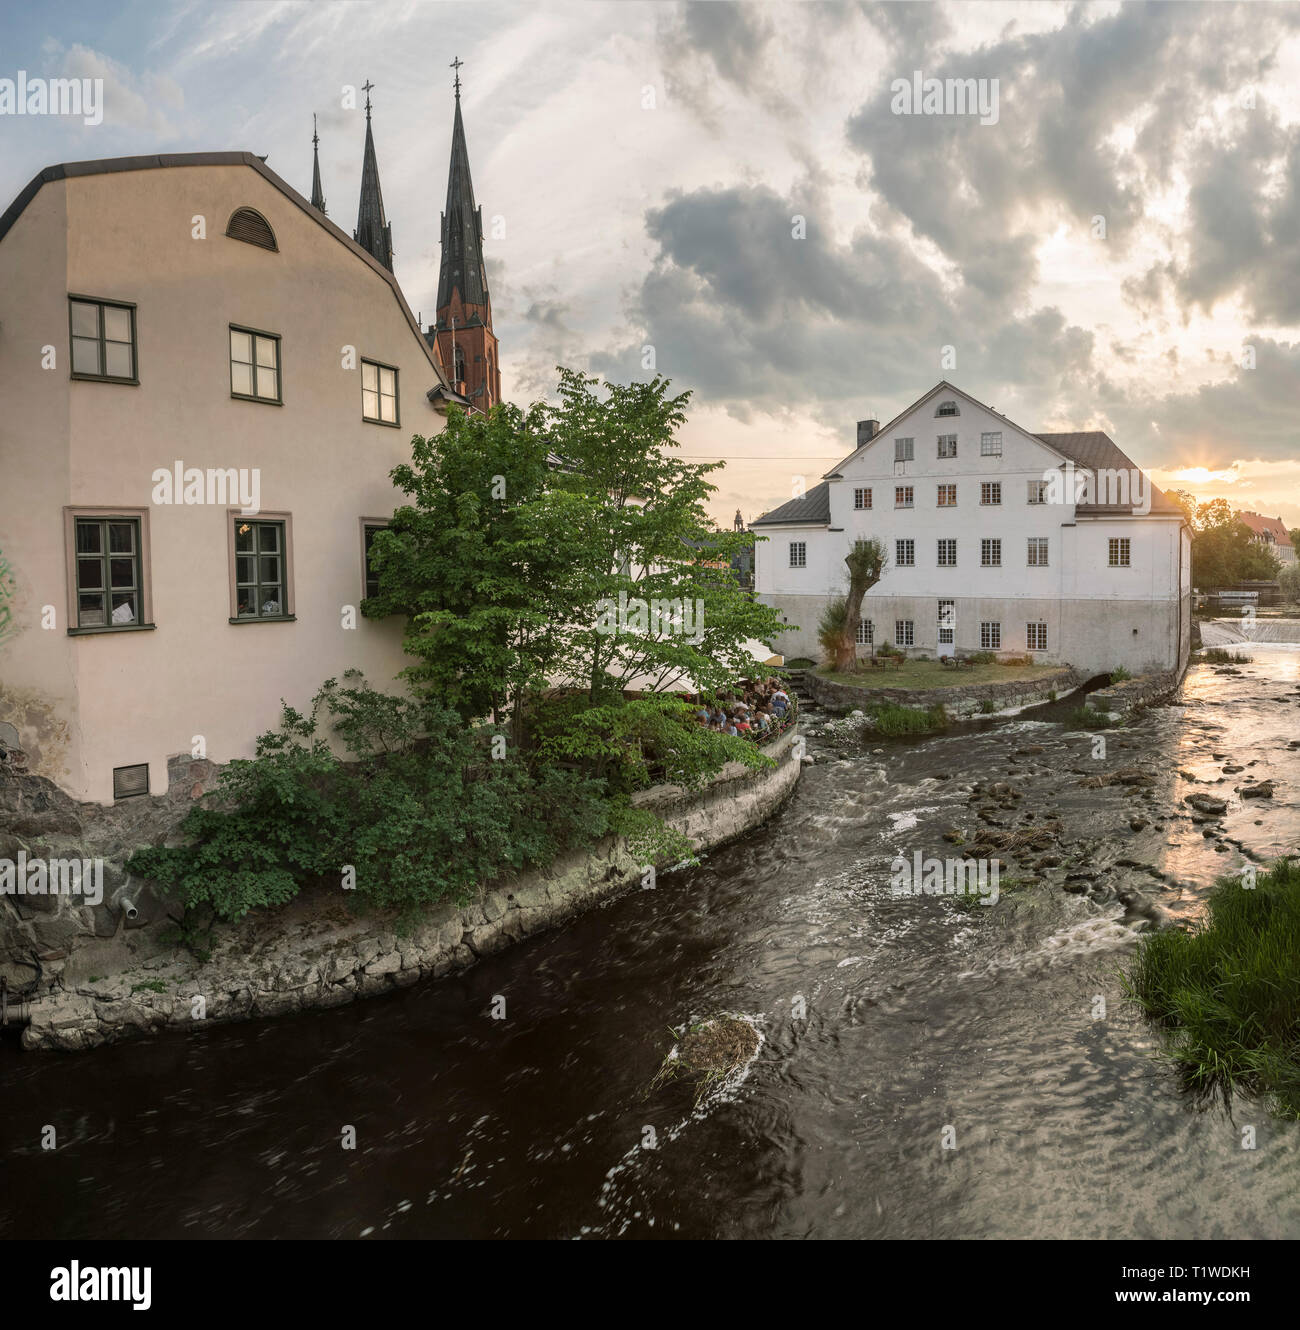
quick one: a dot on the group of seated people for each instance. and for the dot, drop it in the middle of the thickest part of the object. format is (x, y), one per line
(757, 710)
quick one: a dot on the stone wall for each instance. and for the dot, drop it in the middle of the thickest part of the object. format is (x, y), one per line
(316, 953)
(959, 700)
(1130, 694)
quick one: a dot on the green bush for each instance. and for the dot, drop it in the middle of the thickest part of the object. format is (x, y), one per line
(1089, 718)
(983, 658)
(1119, 674)
(1228, 991)
(424, 812)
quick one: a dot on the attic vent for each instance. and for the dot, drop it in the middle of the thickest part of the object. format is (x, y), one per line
(130, 781)
(252, 228)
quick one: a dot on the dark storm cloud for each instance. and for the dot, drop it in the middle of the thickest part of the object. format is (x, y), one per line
(1249, 413)
(740, 310)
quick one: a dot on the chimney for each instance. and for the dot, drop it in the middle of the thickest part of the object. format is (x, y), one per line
(867, 430)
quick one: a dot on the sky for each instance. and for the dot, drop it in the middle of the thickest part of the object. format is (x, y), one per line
(733, 193)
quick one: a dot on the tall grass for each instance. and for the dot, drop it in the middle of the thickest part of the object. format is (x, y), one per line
(895, 720)
(1218, 656)
(1089, 718)
(1228, 992)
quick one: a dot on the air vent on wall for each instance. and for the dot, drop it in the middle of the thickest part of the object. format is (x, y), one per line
(252, 228)
(128, 782)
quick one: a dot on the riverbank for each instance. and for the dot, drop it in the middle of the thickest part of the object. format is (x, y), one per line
(958, 699)
(316, 953)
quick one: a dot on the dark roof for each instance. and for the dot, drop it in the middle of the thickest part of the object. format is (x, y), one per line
(374, 233)
(109, 165)
(1099, 452)
(814, 509)
(462, 229)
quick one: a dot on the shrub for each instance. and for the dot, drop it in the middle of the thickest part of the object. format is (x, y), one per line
(1089, 718)
(423, 814)
(988, 706)
(983, 658)
(1119, 674)
(1228, 991)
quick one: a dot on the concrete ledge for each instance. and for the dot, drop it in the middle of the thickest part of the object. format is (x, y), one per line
(959, 700)
(315, 953)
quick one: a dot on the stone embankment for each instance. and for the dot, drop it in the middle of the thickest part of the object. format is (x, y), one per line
(1120, 699)
(957, 700)
(104, 980)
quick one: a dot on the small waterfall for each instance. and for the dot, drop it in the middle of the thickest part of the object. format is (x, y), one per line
(1232, 632)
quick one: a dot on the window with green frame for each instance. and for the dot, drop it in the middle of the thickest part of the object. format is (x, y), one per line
(259, 570)
(254, 365)
(103, 340)
(109, 572)
(372, 575)
(378, 393)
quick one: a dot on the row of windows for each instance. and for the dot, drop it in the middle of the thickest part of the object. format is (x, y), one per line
(990, 445)
(1118, 554)
(104, 347)
(946, 495)
(110, 571)
(990, 632)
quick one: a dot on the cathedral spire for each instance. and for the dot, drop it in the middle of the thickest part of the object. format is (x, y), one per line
(462, 225)
(317, 194)
(374, 233)
(463, 336)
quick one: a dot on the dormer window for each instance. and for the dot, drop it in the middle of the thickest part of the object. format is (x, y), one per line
(252, 228)
(948, 408)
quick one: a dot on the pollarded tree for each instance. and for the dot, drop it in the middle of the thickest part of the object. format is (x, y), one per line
(866, 563)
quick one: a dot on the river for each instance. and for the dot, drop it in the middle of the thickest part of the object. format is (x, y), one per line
(891, 1027)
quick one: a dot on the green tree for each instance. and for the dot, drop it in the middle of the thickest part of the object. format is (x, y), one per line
(477, 562)
(653, 602)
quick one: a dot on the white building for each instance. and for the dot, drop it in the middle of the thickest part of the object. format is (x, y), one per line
(1051, 545)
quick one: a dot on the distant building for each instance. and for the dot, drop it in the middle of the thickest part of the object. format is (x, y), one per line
(1271, 532)
(997, 539)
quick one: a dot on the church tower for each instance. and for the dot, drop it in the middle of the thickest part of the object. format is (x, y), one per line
(463, 333)
(317, 193)
(374, 232)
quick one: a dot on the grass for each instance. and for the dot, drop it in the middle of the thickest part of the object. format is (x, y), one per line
(1227, 992)
(149, 986)
(923, 674)
(1089, 718)
(708, 1054)
(1119, 674)
(1218, 656)
(973, 903)
(894, 720)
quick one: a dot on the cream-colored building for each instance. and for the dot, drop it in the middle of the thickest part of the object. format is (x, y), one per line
(190, 316)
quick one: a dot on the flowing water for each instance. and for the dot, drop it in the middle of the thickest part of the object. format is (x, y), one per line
(891, 1026)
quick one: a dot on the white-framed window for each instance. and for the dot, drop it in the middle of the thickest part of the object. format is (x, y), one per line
(947, 622)
(861, 499)
(798, 554)
(1038, 491)
(903, 495)
(947, 554)
(948, 408)
(991, 444)
(990, 492)
(991, 552)
(904, 633)
(990, 636)
(1036, 636)
(1037, 551)
(866, 633)
(904, 450)
(947, 446)
(947, 496)
(905, 553)
(378, 393)
(1120, 552)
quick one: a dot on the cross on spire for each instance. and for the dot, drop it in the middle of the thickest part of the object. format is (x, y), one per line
(456, 64)
(315, 137)
(366, 88)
